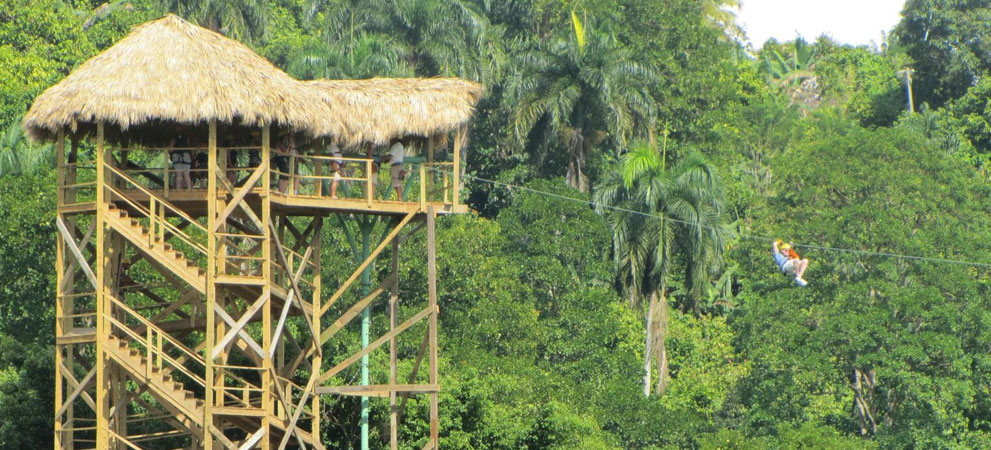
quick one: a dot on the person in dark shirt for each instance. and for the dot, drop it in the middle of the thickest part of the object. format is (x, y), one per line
(182, 158)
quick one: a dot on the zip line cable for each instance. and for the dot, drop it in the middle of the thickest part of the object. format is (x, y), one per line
(510, 187)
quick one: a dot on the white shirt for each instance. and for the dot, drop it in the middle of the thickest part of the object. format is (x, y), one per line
(335, 151)
(397, 153)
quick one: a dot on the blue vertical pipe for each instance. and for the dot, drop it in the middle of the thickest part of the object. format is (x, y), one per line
(366, 322)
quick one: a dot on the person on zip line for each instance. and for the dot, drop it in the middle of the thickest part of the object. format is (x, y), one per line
(789, 262)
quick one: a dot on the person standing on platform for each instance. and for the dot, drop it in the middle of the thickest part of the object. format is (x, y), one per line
(337, 165)
(182, 158)
(397, 154)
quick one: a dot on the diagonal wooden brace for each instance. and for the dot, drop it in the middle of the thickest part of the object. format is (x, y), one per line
(244, 336)
(238, 327)
(71, 243)
(80, 388)
(239, 196)
(374, 345)
(371, 257)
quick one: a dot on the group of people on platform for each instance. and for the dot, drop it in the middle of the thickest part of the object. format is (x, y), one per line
(189, 162)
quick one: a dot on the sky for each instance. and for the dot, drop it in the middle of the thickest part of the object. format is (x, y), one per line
(855, 22)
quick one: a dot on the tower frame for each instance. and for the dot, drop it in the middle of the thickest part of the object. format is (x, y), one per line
(224, 346)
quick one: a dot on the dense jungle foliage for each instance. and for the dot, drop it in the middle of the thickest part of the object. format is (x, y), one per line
(569, 324)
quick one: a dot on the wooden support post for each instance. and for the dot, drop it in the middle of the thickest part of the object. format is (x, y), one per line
(458, 142)
(393, 304)
(267, 402)
(317, 361)
(211, 377)
(60, 298)
(430, 164)
(102, 377)
(432, 327)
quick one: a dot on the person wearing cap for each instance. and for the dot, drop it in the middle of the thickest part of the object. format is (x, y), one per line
(397, 154)
(789, 262)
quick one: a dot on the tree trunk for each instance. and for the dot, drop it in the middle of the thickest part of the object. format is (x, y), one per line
(649, 344)
(660, 338)
(863, 389)
(576, 155)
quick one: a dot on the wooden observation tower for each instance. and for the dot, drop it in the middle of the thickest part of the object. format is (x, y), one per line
(199, 316)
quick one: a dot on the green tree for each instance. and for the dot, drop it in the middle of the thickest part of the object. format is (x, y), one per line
(720, 14)
(243, 20)
(884, 347)
(571, 94)
(950, 44)
(19, 156)
(370, 55)
(793, 76)
(658, 216)
(462, 44)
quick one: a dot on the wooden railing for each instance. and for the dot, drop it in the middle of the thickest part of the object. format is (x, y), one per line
(77, 182)
(164, 353)
(315, 176)
(157, 345)
(156, 213)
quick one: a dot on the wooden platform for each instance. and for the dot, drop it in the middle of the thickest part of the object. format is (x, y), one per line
(193, 202)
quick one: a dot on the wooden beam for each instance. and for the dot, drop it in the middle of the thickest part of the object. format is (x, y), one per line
(250, 443)
(72, 263)
(432, 325)
(71, 243)
(296, 414)
(371, 257)
(374, 345)
(412, 374)
(356, 309)
(82, 386)
(244, 336)
(378, 390)
(239, 195)
(69, 378)
(220, 437)
(295, 285)
(238, 327)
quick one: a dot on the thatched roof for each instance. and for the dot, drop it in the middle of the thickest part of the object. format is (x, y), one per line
(171, 70)
(379, 109)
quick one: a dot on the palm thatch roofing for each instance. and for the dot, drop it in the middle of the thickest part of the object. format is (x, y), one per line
(379, 109)
(170, 70)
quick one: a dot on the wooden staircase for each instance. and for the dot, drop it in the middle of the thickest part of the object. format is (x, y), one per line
(174, 397)
(175, 261)
(131, 342)
(161, 252)
(170, 393)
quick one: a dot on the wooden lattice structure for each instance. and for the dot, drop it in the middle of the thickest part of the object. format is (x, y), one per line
(199, 318)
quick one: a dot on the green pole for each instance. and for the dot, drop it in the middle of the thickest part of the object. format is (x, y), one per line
(366, 322)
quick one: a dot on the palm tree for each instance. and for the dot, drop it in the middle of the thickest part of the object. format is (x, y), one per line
(18, 156)
(462, 44)
(719, 14)
(681, 218)
(794, 76)
(573, 93)
(370, 55)
(244, 20)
